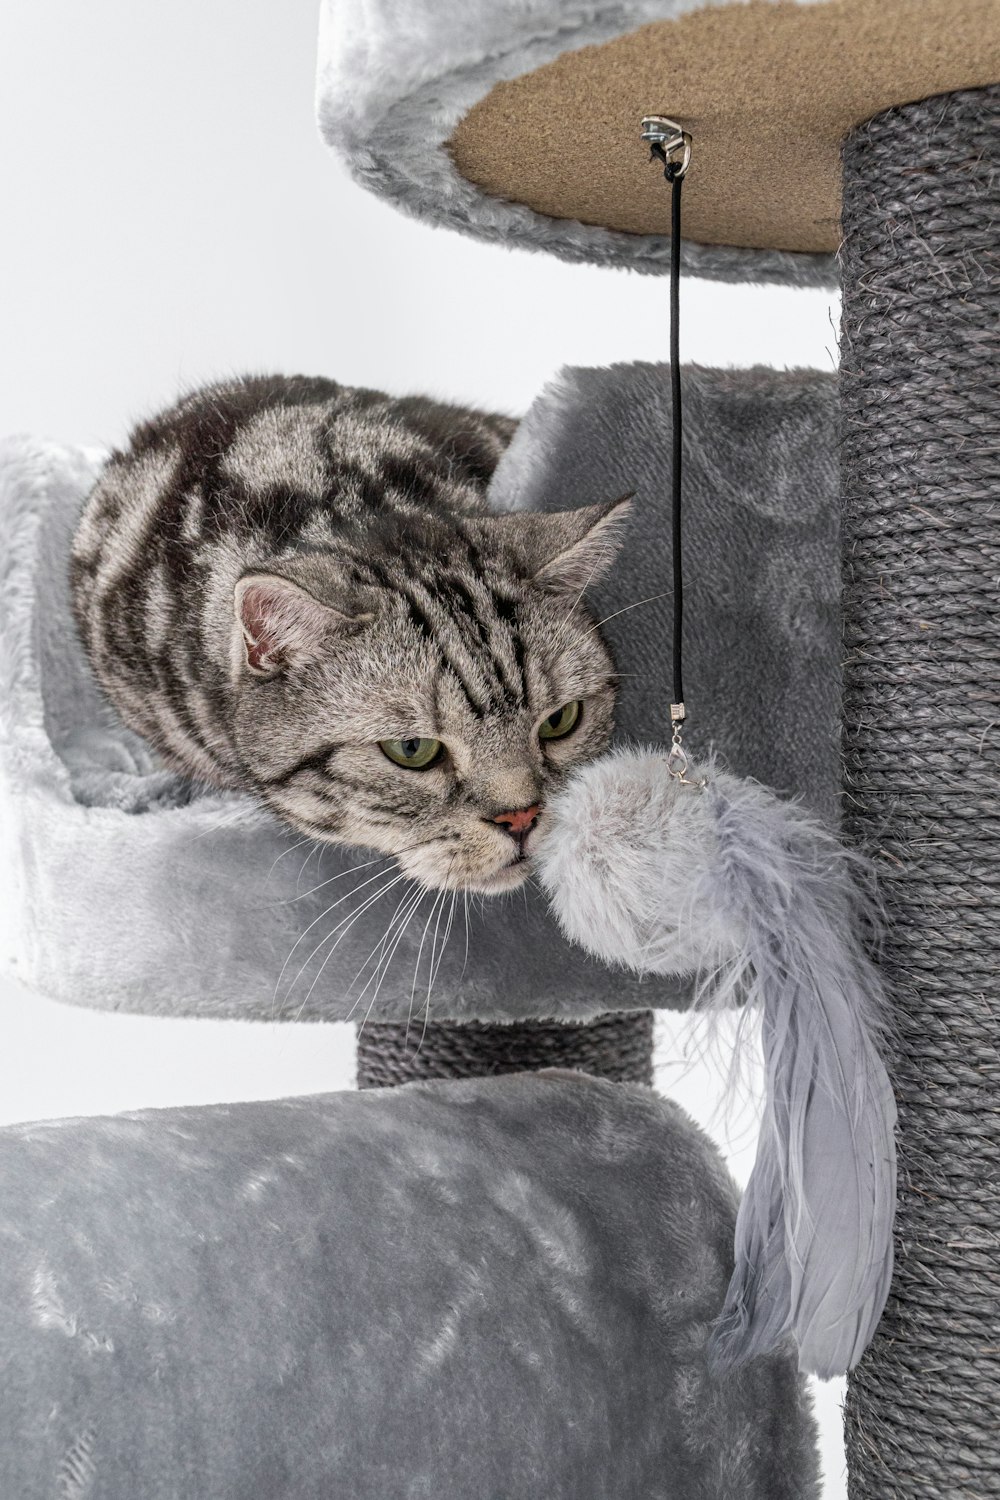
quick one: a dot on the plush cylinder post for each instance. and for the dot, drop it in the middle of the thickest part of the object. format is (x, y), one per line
(921, 535)
(617, 1047)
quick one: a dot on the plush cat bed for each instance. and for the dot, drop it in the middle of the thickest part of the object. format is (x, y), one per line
(487, 1288)
(519, 122)
(137, 890)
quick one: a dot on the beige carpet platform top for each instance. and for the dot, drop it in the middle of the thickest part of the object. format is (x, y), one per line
(519, 120)
(768, 92)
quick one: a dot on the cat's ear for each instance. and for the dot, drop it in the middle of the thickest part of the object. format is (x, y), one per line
(569, 550)
(280, 622)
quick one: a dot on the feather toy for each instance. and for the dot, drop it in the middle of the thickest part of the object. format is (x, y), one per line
(666, 868)
(727, 881)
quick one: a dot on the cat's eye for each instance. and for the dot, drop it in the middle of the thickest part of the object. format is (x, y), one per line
(415, 753)
(558, 725)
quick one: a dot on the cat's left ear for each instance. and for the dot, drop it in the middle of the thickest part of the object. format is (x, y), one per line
(568, 550)
(281, 623)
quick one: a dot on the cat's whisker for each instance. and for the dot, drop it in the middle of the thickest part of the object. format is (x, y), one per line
(383, 951)
(308, 839)
(432, 968)
(422, 891)
(346, 923)
(341, 875)
(309, 854)
(416, 966)
(279, 857)
(379, 874)
(380, 859)
(317, 848)
(465, 904)
(380, 946)
(420, 948)
(292, 900)
(599, 563)
(411, 911)
(343, 927)
(451, 920)
(379, 949)
(427, 1008)
(665, 594)
(435, 967)
(444, 940)
(226, 818)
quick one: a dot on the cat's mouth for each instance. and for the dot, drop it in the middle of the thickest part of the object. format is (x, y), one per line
(451, 865)
(507, 878)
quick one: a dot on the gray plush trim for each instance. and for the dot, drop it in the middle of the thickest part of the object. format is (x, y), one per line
(394, 81)
(493, 1288)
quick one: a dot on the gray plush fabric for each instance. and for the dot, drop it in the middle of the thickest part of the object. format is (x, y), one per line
(761, 554)
(480, 1289)
(394, 82)
(139, 891)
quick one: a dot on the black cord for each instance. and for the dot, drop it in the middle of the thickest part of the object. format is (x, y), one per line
(676, 179)
(674, 174)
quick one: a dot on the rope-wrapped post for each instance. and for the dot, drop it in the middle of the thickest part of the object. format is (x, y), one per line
(921, 536)
(618, 1047)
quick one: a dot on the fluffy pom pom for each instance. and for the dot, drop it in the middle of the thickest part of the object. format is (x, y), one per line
(746, 891)
(625, 846)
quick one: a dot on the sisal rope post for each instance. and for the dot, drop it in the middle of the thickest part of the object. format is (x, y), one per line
(618, 1047)
(921, 535)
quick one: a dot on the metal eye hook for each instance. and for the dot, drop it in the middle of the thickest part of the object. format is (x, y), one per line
(668, 140)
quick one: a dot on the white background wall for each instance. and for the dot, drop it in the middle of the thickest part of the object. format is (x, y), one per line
(171, 216)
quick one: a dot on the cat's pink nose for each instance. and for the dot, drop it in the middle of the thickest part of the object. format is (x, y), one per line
(520, 822)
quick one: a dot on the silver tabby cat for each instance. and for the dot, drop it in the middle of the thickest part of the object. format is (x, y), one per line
(296, 589)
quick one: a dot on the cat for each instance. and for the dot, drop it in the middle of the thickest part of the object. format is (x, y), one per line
(296, 589)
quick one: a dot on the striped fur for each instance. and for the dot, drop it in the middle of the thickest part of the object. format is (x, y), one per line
(350, 528)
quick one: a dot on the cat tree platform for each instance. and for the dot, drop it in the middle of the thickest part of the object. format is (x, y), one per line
(138, 890)
(838, 140)
(487, 1288)
(517, 122)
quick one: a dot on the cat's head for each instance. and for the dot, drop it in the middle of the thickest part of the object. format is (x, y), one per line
(423, 687)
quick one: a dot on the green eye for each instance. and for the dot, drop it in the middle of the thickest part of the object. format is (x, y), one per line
(558, 725)
(416, 754)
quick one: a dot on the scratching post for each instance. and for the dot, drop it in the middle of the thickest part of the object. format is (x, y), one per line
(616, 1047)
(921, 416)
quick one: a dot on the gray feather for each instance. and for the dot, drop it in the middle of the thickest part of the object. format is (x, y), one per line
(814, 1232)
(665, 878)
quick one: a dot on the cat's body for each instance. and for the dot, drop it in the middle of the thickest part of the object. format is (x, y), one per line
(296, 589)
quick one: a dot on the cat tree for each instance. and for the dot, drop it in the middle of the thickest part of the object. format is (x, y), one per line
(140, 891)
(495, 1286)
(508, 1283)
(872, 127)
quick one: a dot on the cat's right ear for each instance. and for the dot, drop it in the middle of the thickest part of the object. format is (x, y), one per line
(565, 551)
(281, 623)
